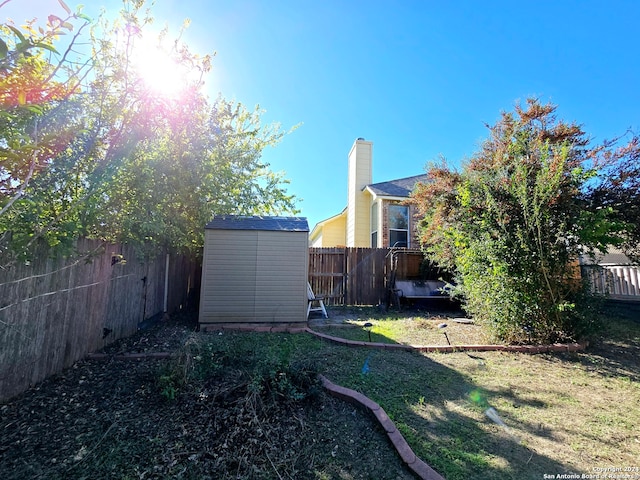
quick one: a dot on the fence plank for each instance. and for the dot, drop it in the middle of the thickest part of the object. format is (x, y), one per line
(357, 276)
(53, 311)
(329, 273)
(619, 282)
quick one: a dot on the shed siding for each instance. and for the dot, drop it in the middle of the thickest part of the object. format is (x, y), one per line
(254, 276)
(229, 270)
(281, 278)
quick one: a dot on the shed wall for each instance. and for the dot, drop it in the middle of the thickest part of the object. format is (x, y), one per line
(281, 277)
(254, 276)
(229, 267)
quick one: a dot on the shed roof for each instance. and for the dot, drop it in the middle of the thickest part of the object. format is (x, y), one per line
(401, 187)
(256, 222)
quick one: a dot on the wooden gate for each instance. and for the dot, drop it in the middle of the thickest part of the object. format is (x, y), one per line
(356, 276)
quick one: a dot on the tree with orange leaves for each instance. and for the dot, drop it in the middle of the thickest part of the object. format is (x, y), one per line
(513, 222)
(617, 190)
(122, 160)
(34, 80)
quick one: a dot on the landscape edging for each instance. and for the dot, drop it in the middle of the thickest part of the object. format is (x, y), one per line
(555, 347)
(417, 466)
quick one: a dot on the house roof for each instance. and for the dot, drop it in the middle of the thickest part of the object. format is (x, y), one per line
(318, 227)
(401, 187)
(614, 256)
(256, 222)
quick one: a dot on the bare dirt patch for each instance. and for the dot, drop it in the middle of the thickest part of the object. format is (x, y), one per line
(109, 419)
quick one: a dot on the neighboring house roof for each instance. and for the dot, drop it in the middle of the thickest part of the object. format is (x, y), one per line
(255, 222)
(318, 227)
(400, 188)
(614, 256)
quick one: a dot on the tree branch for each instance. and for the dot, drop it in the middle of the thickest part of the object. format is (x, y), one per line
(24, 185)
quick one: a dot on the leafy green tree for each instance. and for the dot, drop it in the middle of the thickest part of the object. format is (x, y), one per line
(174, 161)
(617, 190)
(173, 184)
(143, 166)
(513, 223)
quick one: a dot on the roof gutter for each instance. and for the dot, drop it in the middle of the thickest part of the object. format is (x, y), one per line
(384, 197)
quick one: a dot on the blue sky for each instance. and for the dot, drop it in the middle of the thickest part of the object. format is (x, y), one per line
(419, 79)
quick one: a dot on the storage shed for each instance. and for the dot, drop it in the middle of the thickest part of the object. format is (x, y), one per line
(254, 270)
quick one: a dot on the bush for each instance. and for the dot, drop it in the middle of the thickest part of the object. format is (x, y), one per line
(512, 225)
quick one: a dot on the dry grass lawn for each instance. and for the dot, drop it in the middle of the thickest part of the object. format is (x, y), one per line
(561, 413)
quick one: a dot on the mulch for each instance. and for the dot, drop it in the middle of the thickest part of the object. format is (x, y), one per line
(108, 419)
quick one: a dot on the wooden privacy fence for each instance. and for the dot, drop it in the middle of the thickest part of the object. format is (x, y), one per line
(357, 276)
(54, 312)
(619, 282)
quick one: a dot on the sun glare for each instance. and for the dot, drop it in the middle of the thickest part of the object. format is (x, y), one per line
(161, 73)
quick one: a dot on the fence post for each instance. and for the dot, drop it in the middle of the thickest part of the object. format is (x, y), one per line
(166, 284)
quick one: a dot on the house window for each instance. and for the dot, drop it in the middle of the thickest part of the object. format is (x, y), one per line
(374, 225)
(398, 226)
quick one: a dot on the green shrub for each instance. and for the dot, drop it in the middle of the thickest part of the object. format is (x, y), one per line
(512, 225)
